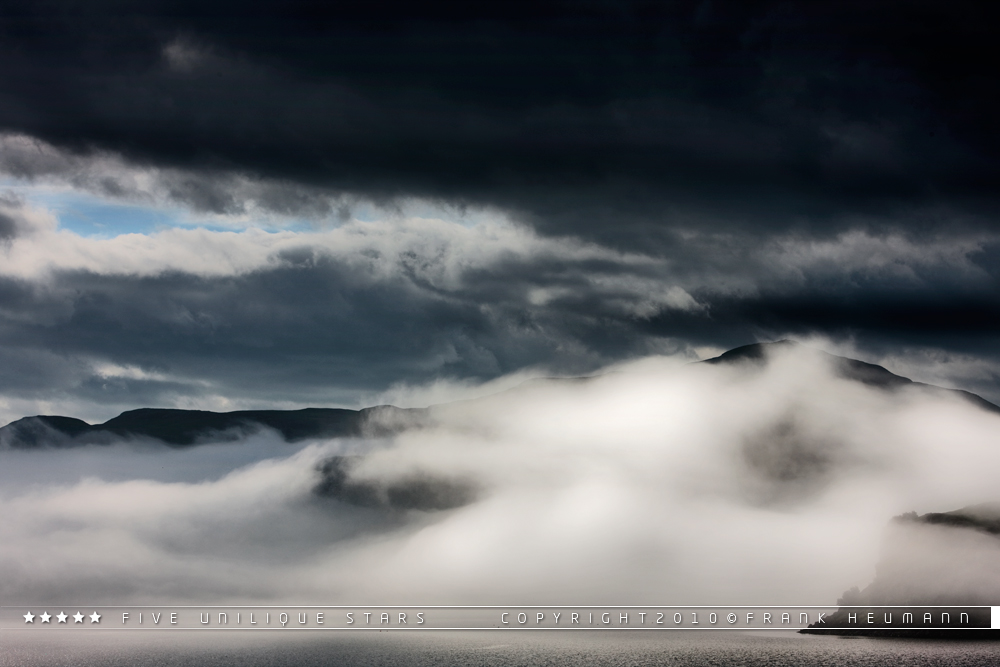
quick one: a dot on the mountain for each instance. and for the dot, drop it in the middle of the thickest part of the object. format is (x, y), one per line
(756, 355)
(184, 428)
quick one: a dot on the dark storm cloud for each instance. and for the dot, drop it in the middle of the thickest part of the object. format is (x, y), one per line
(309, 326)
(9, 225)
(329, 316)
(602, 119)
(962, 322)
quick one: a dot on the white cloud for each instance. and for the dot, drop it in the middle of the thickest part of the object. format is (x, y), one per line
(184, 56)
(886, 257)
(438, 252)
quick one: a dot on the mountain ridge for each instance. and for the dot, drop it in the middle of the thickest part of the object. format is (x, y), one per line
(185, 428)
(867, 373)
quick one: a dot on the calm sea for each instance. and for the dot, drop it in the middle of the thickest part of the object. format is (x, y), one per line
(486, 649)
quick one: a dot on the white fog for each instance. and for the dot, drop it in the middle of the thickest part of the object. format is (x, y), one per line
(658, 483)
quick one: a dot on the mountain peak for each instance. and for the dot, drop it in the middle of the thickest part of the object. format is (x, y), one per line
(873, 375)
(755, 352)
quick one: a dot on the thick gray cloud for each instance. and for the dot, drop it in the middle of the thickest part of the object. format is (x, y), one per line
(610, 120)
(9, 208)
(8, 228)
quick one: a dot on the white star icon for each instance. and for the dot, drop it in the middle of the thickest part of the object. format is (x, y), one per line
(95, 618)
(29, 618)
(78, 617)
(45, 616)
(61, 617)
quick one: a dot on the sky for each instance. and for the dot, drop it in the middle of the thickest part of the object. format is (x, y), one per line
(306, 204)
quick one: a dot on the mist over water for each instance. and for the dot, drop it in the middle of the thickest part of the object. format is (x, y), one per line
(656, 483)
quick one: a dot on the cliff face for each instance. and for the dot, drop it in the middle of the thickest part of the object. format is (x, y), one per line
(947, 558)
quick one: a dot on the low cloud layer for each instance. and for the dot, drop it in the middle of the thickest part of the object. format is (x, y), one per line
(660, 482)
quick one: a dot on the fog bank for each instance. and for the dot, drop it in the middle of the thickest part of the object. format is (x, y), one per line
(655, 483)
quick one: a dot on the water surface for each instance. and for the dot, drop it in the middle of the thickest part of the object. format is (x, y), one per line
(486, 649)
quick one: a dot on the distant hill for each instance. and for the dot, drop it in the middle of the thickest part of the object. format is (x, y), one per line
(184, 428)
(872, 375)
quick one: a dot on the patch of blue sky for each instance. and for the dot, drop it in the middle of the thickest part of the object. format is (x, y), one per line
(94, 216)
(98, 217)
